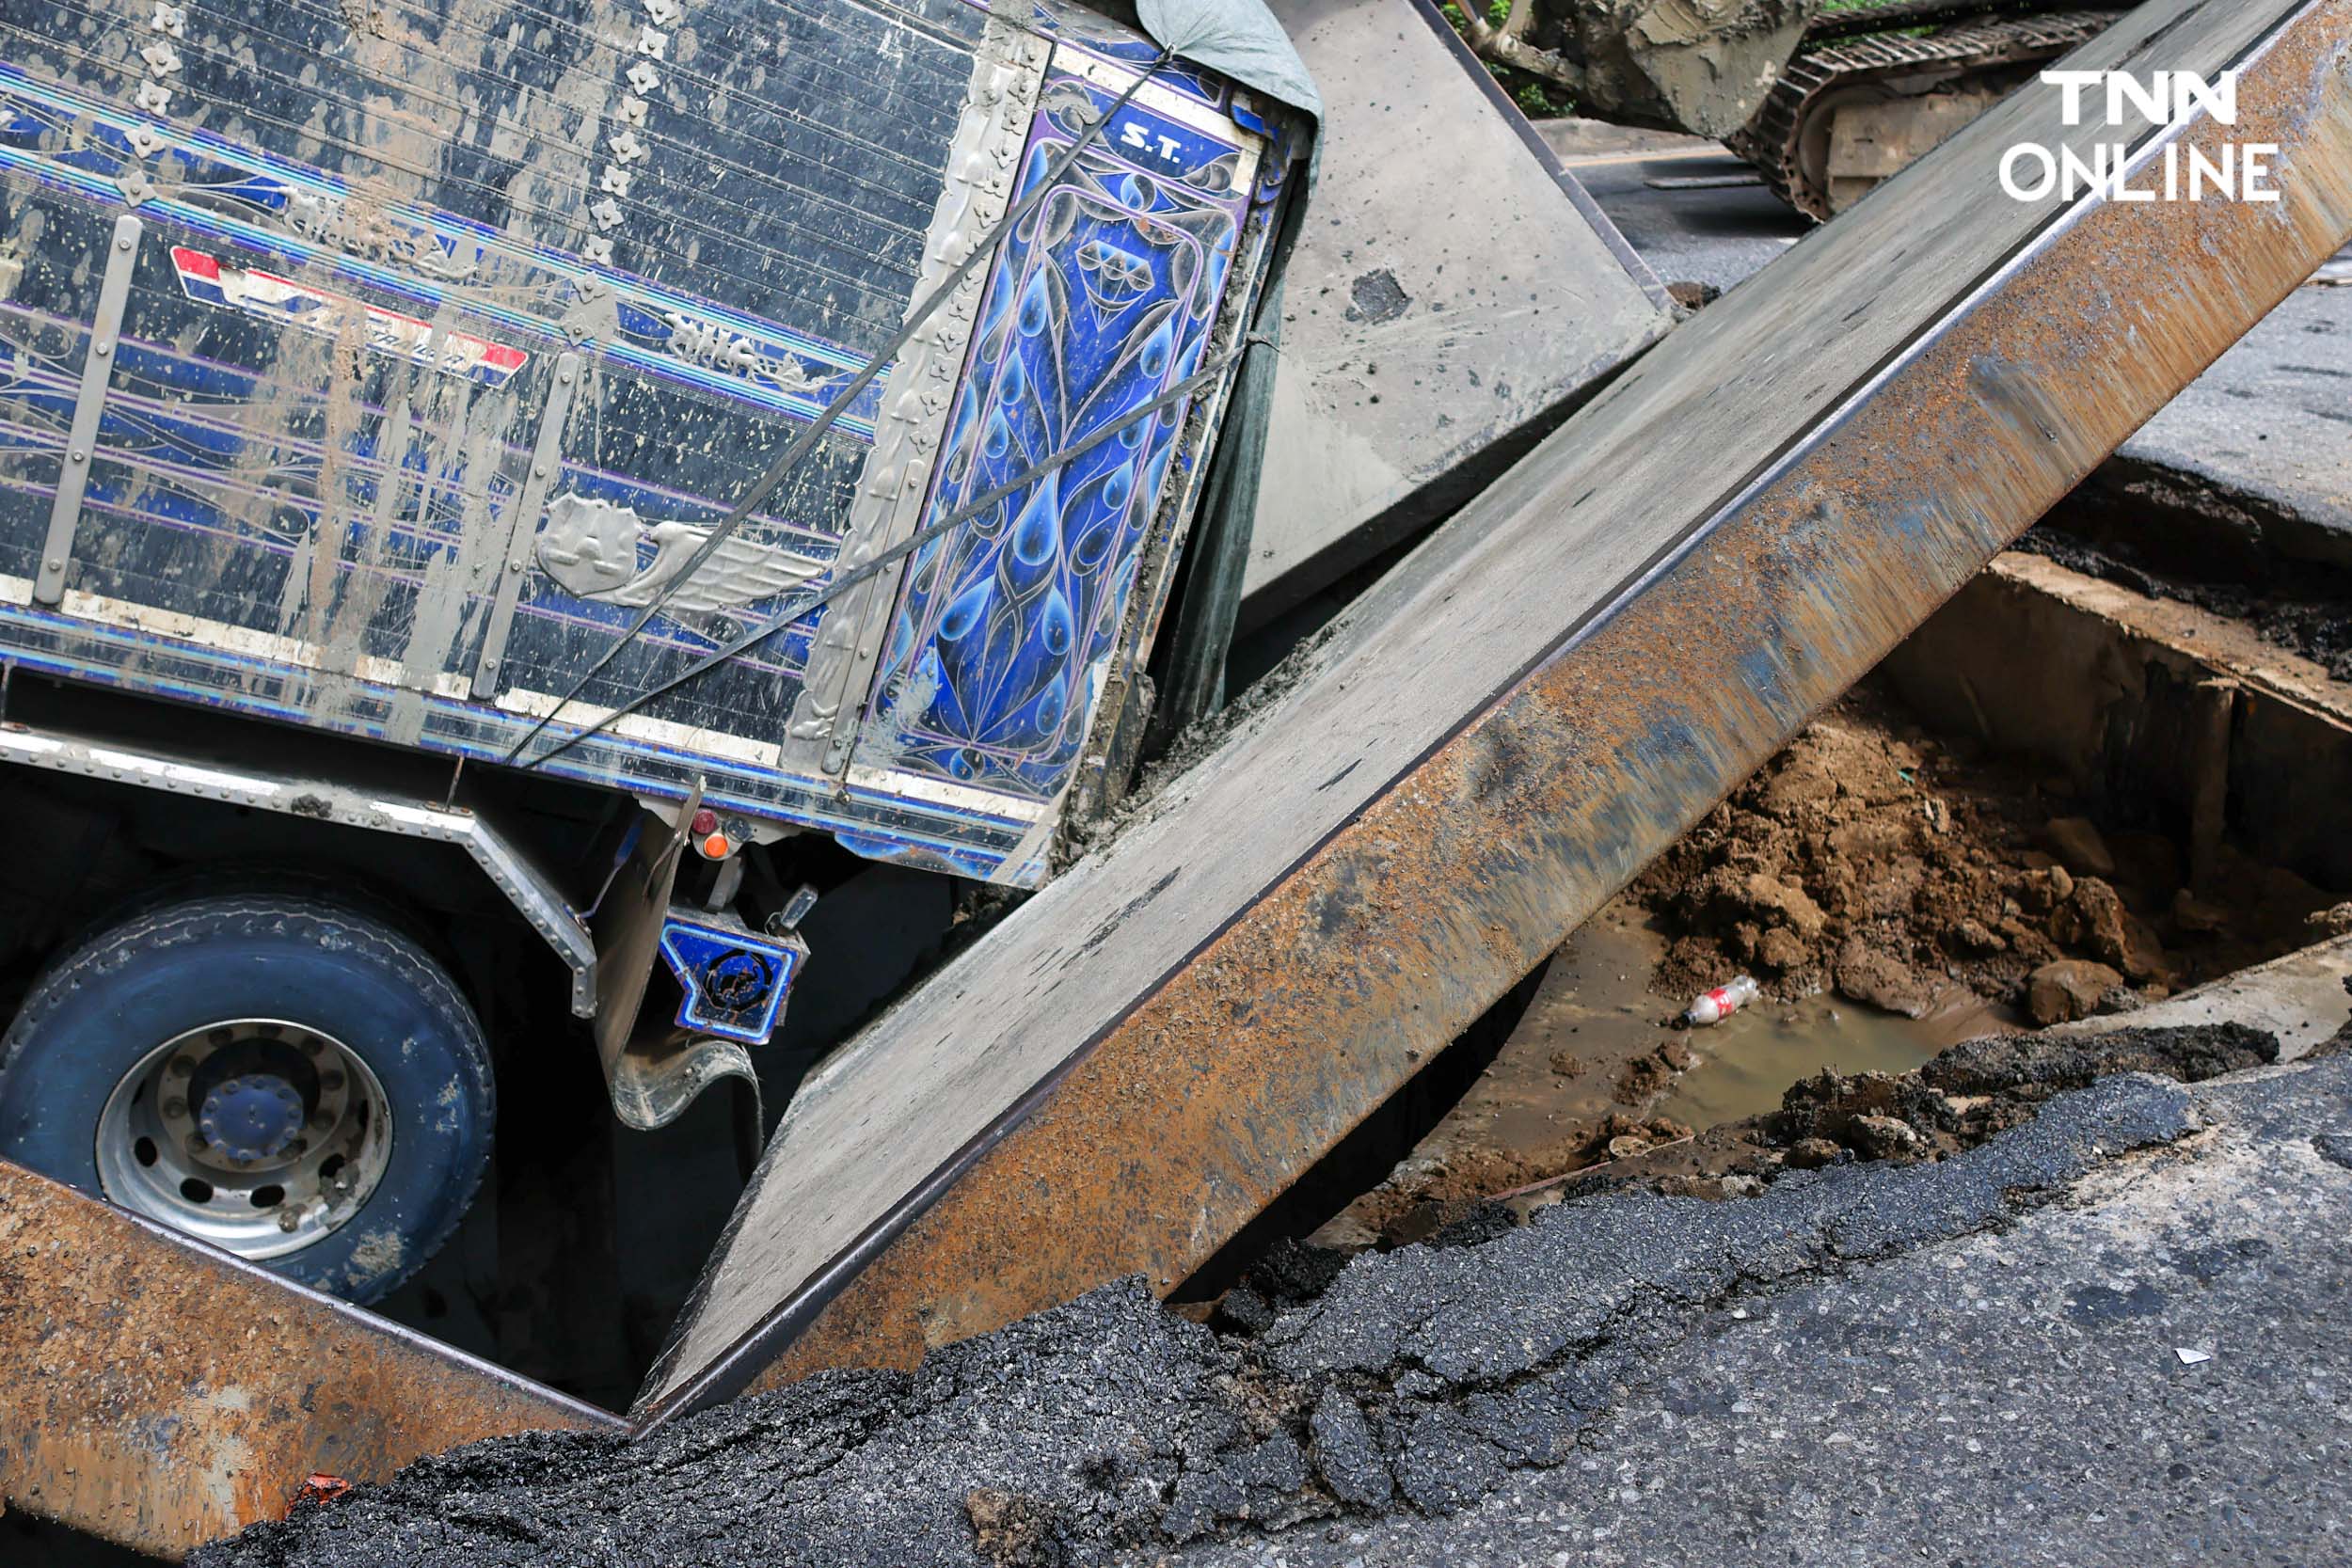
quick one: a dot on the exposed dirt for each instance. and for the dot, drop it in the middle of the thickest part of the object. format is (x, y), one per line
(1896, 895)
(1575, 1075)
(1872, 859)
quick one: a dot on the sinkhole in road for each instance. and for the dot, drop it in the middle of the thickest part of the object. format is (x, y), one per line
(2072, 793)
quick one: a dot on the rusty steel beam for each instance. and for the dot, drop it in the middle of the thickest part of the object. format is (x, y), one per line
(160, 1393)
(1573, 671)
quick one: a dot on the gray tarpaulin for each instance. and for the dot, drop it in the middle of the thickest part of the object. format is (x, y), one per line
(1237, 38)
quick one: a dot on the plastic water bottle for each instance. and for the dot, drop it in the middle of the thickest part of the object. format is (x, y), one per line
(1720, 1004)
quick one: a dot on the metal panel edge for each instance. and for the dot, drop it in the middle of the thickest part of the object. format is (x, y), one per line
(133, 1414)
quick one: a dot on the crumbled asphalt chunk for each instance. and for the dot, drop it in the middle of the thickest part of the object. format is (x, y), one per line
(1345, 1455)
(1580, 1272)
(1290, 1273)
(2335, 1148)
(2006, 1063)
(1110, 1422)
(1263, 1483)
(1241, 1310)
(1478, 1222)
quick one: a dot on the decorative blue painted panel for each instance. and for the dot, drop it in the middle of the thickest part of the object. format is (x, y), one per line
(1104, 300)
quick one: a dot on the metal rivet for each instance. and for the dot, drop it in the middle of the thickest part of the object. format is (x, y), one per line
(513, 565)
(123, 243)
(539, 472)
(565, 378)
(55, 565)
(104, 349)
(80, 457)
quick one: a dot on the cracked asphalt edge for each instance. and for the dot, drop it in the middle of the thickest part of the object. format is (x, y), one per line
(1416, 1384)
(2152, 1369)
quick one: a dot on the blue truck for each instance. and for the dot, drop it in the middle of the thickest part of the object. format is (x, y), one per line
(506, 509)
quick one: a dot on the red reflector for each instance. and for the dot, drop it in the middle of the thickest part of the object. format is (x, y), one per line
(706, 823)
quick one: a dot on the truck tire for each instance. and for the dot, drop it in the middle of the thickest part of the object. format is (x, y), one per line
(281, 1076)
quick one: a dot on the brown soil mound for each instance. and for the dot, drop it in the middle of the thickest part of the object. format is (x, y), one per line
(1872, 859)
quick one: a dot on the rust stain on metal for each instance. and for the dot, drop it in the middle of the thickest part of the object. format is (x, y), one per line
(1253, 1059)
(161, 1394)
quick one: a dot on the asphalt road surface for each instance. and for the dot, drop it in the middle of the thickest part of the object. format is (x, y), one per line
(2156, 1369)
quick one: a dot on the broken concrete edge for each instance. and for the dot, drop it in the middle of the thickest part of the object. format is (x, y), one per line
(1418, 1380)
(2197, 636)
(2159, 702)
(2218, 506)
(158, 1391)
(2301, 999)
(1574, 138)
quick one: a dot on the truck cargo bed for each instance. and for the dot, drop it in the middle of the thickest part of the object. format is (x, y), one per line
(375, 376)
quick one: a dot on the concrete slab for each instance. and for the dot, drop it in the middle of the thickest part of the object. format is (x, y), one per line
(1449, 298)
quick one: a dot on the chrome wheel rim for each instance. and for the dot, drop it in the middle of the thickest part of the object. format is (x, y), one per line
(256, 1134)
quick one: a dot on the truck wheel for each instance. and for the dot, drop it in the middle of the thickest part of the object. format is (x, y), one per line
(289, 1080)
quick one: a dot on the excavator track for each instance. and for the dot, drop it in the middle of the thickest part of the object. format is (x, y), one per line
(1788, 140)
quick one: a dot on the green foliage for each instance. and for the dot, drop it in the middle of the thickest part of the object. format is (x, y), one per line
(1536, 97)
(1541, 100)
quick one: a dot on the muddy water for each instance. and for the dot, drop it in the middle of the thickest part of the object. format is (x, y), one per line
(1745, 1063)
(1592, 1060)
